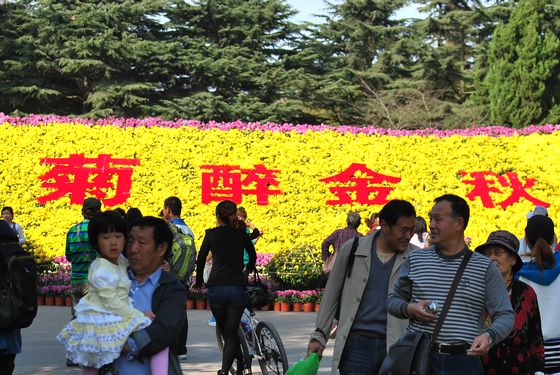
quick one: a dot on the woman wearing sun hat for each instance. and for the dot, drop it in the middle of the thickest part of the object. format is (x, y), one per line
(541, 273)
(522, 352)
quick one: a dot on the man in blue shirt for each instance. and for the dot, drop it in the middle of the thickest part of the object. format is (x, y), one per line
(153, 290)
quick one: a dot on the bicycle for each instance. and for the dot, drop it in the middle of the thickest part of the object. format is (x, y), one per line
(260, 340)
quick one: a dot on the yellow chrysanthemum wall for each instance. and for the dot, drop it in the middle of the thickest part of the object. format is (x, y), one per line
(171, 157)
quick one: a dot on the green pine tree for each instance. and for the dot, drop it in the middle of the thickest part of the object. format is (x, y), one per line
(522, 80)
(232, 61)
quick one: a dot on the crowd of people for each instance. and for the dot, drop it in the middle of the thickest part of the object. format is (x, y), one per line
(501, 318)
(129, 292)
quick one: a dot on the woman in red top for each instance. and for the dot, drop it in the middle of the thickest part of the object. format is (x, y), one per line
(522, 352)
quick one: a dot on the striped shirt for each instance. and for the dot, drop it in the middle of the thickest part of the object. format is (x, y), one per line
(79, 252)
(428, 275)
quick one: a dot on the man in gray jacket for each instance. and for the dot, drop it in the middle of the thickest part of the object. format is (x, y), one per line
(427, 277)
(357, 287)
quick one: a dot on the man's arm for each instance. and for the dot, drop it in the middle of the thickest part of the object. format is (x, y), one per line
(331, 297)
(498, 305)
(328, 242)
(201, 260)
(399, 302)
(400, 296)
(170, 317)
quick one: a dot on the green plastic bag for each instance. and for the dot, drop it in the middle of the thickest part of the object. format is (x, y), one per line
(307, 366)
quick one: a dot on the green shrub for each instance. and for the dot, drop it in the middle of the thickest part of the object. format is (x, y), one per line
(299, 267)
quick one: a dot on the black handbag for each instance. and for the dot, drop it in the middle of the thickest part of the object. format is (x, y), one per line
(257, 292)
(411, 354)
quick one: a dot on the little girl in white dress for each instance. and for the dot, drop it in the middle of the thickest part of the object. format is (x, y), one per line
(105, 317)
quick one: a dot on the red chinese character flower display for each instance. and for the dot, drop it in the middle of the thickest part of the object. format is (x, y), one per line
(485, 182)
(79, 177)
(231, 182)
(362, 186)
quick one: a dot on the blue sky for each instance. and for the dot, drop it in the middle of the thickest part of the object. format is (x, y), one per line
(307, 8)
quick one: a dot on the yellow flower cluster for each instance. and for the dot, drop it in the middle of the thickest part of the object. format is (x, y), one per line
(171, 160)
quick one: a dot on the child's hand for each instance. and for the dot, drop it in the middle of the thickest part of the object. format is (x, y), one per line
(150, 314)
(165, 266)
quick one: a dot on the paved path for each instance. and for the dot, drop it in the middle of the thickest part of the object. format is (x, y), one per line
(43, 354)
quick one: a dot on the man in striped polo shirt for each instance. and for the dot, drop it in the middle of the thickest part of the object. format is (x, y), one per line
(426, 276)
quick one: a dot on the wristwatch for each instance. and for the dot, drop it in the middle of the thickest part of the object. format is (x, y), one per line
(490, 338)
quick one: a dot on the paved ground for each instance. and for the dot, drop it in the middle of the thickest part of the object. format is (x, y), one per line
(43, 354)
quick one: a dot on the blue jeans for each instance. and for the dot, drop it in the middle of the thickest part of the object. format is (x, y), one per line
(227, 295)
(362, 355)
(458, 364)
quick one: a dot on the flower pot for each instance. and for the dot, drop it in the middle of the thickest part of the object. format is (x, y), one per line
(277, 306)
(40, 300)
(208, 305)
(59, 300)
(68, 300)
(49, 300)
(317, 305)
(308, 307)
(284, 306)
(200, 304)
(265, 308)
(190, 304)
(297, 307)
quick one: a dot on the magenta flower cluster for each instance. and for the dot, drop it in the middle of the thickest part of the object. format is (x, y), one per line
(492, 131)
(55, 290)
(295, 296)
(263, 259)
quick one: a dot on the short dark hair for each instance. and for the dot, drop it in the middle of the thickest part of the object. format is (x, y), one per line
(420, 227)
(9, 209)
(105, 222)
(459, 206)
(396, 209)
(162, 232)
(227, 212)
(174, 205)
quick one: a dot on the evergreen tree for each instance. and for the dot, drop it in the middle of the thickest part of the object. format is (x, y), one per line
(348, 47)
(94, 58)
(232, 60)
(522, 81)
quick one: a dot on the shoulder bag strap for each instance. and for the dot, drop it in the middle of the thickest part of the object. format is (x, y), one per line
(452, 290)
(352, 256)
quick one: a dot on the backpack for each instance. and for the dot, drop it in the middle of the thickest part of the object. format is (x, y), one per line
(183, 255)
(18, 287)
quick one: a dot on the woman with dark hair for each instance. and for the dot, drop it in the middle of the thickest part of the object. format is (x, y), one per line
(523, 349)
(227, 280)
(420, 237)
(372, 223)
(541, 273)
(8, 217)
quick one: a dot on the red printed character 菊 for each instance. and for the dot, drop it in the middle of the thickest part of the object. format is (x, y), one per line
(487, 182)
(78, 177)
(231, 182)
(357, 183)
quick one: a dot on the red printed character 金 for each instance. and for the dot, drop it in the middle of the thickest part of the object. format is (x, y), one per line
(362, 182)
(79, 177)
(487, 182)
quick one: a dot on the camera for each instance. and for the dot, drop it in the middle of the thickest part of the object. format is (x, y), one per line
(432, 308)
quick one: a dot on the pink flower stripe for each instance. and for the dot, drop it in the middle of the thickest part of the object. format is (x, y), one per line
(492, 131)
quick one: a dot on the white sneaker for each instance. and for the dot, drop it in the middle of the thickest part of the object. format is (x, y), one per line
(212, 321)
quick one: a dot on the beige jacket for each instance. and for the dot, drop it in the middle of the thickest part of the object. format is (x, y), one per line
(349, 298)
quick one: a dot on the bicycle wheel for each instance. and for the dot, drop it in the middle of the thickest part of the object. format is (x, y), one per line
(273, 357)
(244, 349)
